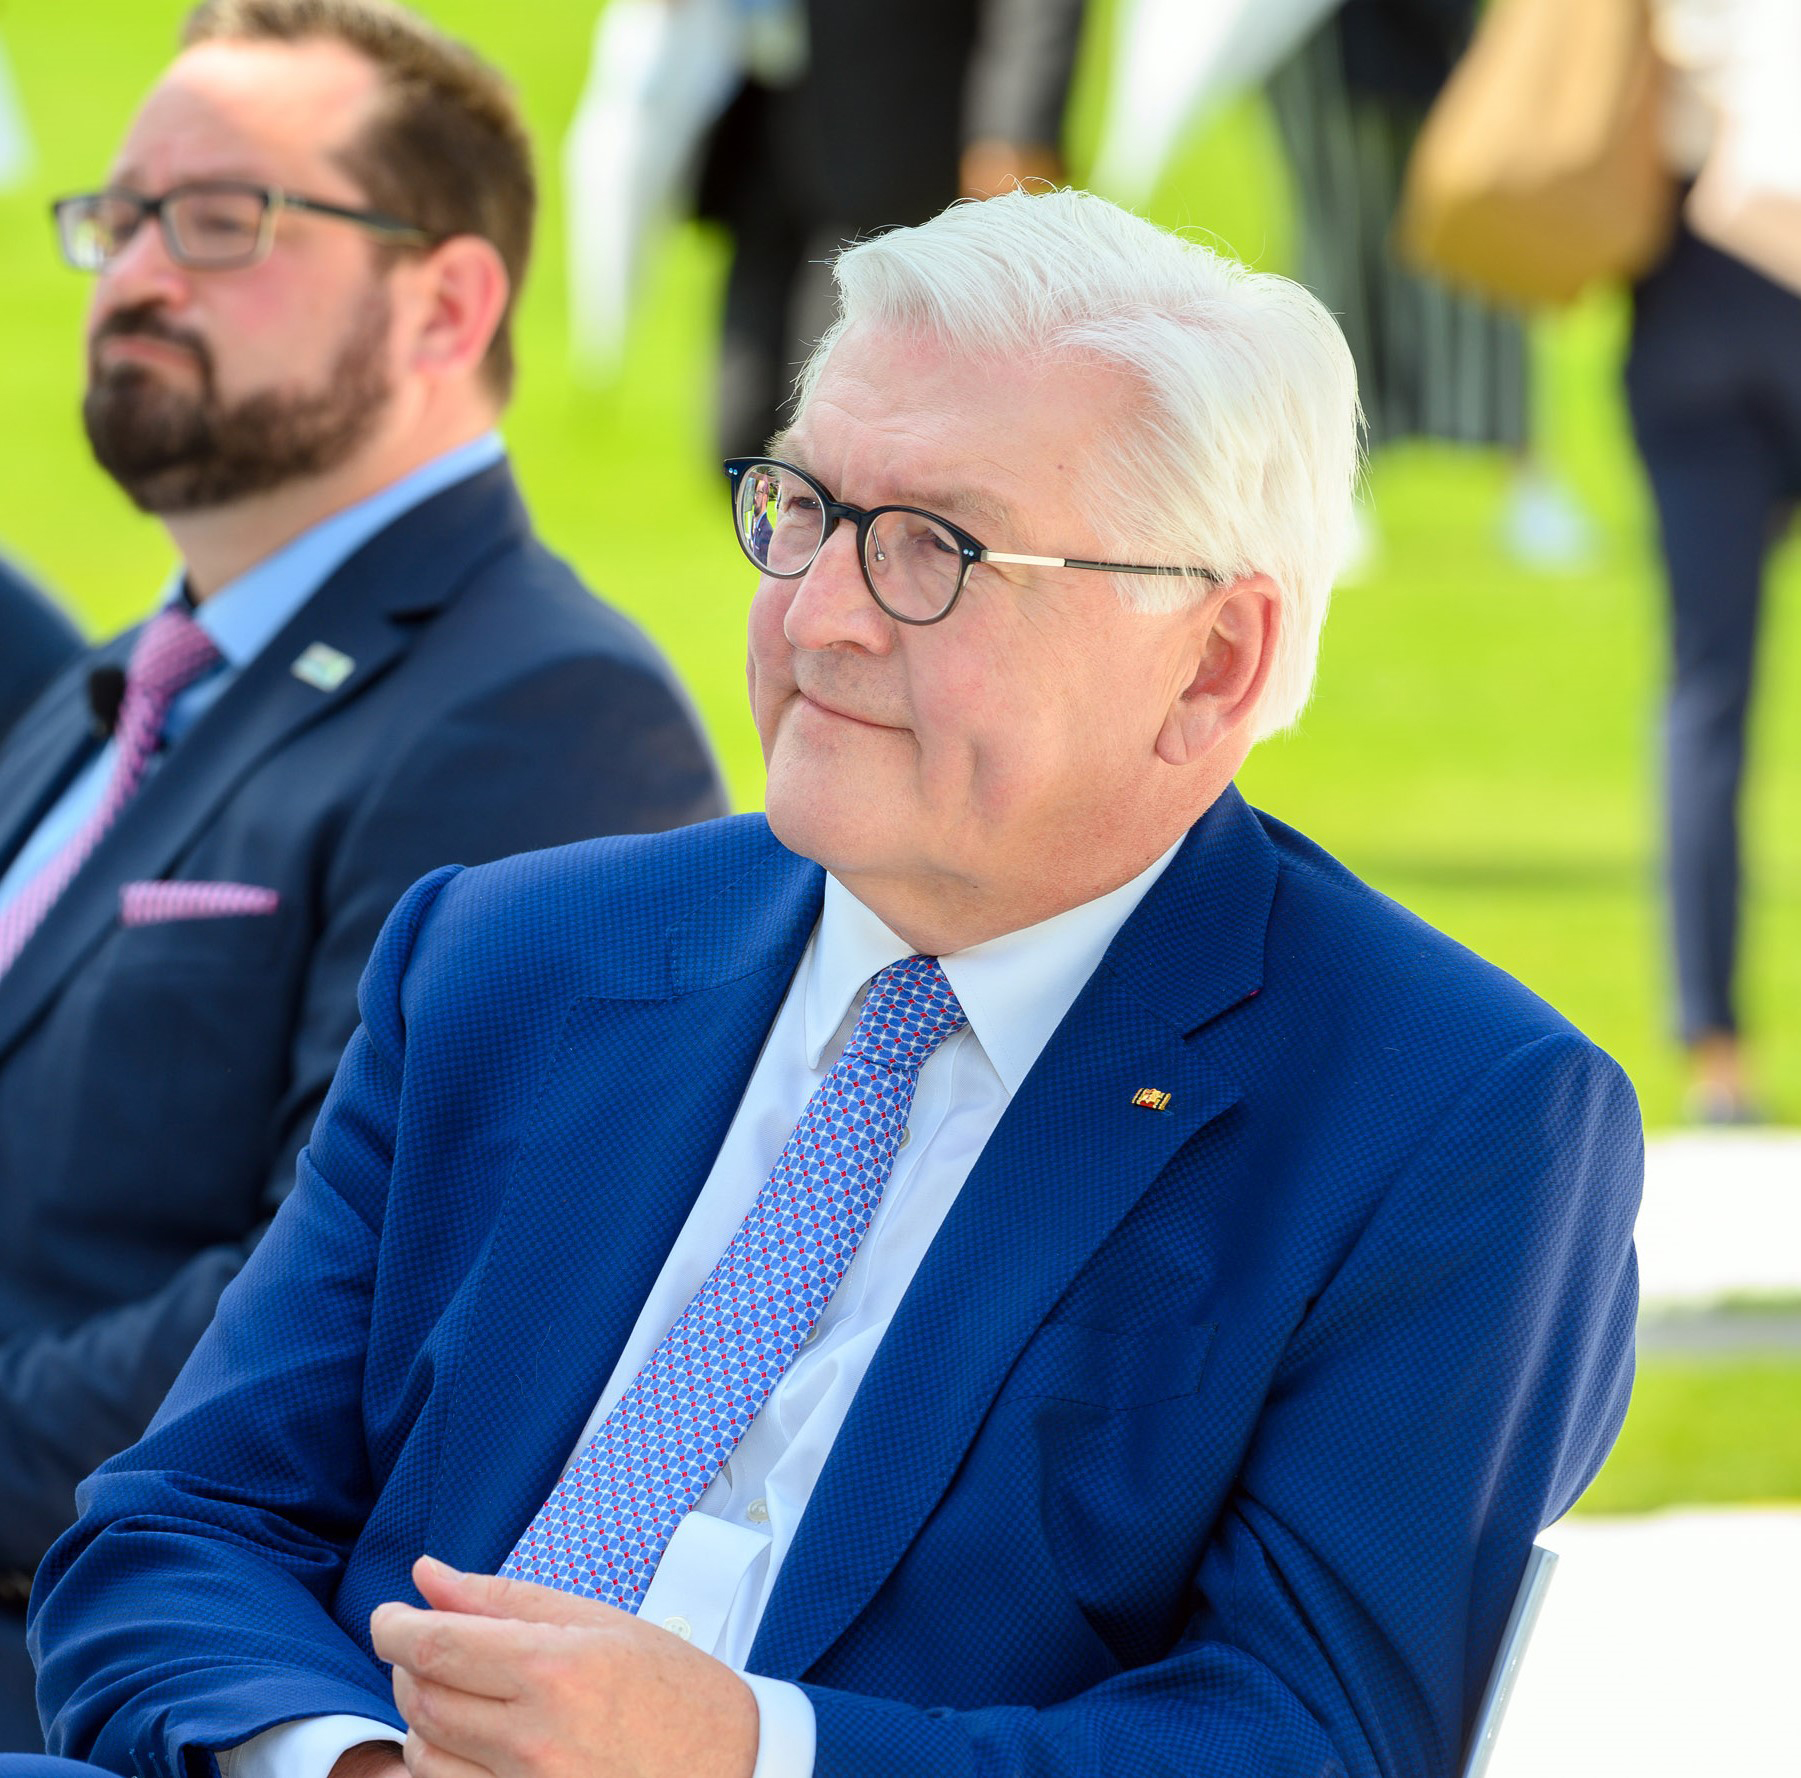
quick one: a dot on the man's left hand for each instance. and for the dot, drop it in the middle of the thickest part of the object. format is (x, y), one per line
(512, 1680)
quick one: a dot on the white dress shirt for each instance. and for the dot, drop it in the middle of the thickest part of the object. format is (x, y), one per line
(718, 1570)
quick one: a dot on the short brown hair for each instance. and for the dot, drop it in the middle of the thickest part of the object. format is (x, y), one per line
(447, 151)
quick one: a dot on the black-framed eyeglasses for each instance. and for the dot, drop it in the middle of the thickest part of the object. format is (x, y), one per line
(210, 225)
(914, 563)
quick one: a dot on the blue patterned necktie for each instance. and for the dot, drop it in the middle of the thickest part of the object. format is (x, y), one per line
(606, 1524)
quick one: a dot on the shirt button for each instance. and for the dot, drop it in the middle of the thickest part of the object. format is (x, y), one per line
(758, 1512)
(679, 1626)
(906, 1134)
(812, 1334)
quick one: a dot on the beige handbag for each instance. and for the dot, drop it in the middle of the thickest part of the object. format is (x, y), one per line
(1748, 197)
(1539, 169)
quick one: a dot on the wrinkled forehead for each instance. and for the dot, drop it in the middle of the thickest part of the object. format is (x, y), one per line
(898, 417)
(277, 113)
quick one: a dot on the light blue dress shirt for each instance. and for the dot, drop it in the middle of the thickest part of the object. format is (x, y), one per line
(242, 619)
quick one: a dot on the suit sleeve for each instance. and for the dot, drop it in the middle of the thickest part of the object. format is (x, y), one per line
(1451, 1391)
(190, 1606)
(586, 747)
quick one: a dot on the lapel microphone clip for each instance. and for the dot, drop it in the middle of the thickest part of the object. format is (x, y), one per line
(106, 693)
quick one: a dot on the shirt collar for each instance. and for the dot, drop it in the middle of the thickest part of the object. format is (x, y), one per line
(246, 614)
(1014, 989)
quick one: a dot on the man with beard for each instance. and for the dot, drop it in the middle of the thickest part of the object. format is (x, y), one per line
(307, 254)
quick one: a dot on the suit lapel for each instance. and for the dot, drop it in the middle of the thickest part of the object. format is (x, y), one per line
(367, 610)
(1068, 1161)
(45, 753)
(622, 1139)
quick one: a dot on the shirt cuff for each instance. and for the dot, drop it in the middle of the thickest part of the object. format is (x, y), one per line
(310, 1747)
(786, 1733)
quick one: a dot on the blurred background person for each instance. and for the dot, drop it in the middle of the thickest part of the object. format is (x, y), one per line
(1432, 362)
(1349, 83)
(1713, 383)
(306, 256)
(814, 122)
(36, 642)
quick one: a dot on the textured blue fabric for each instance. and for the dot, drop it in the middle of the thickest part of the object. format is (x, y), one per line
(1209, 1439)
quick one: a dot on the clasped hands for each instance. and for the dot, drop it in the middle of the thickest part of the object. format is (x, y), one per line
(503, 1679)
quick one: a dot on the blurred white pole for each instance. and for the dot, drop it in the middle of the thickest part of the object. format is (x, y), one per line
(15, 138)
(661, 73)
(1173, 60)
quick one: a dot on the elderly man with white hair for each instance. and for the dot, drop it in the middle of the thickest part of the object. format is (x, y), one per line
(1011, 1262)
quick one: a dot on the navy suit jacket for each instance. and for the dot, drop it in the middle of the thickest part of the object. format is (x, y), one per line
(36, 641)
(157, 1081)
(1206, 1440)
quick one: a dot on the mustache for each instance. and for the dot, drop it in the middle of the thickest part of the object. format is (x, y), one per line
(146, 321)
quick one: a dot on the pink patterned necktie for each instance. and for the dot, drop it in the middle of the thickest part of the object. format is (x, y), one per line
(604, 1528)
(171, 652)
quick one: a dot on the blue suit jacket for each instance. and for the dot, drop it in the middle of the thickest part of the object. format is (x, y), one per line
(157, 1081)
(36, 642)
(1208, 1440)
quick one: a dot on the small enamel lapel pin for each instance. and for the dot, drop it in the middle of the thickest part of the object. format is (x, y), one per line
(322, 667)
(1151, 1099)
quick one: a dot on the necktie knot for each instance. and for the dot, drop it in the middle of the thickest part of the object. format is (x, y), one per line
(909, 1011)
(171, 652)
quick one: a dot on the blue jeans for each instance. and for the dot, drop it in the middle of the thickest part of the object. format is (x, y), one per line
(1713, 382)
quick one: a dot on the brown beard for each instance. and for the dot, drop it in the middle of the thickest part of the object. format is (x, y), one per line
(183, 450)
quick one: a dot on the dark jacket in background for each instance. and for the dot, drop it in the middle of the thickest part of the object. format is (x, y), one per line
(869, 137)
(1402, 49)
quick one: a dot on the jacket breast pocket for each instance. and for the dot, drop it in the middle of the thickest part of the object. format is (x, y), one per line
(171, 937)
(1103, 1368)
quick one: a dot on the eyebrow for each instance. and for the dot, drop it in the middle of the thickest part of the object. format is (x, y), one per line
(983, 509)
(126, 179)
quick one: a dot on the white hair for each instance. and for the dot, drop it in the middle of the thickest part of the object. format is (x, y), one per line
(1241, 453)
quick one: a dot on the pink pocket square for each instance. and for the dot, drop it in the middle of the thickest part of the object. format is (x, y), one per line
(149, 904)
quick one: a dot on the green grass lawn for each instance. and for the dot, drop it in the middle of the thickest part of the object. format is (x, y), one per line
(1705, 1431)
(1481, 744)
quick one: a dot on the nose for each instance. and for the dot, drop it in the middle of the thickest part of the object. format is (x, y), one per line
(142, 271)
(831, 604)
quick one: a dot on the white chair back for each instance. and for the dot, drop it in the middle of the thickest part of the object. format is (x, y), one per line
(1528, 1602)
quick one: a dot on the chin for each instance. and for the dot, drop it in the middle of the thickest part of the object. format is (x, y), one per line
(832, 824)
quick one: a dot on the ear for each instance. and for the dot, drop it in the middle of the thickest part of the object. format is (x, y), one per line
(1236, 643)
(460, 291)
